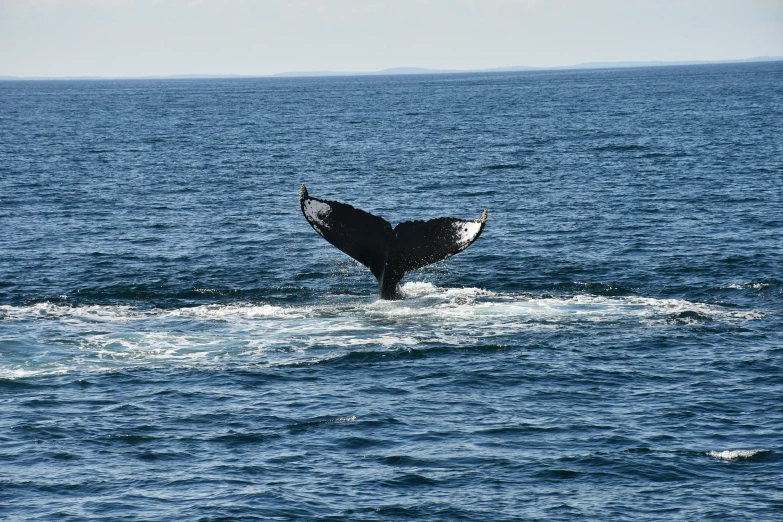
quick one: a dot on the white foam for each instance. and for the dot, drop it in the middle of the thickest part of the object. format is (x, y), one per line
(237, 310)
(415, 289)
(749, 286)
(425, 299)
(124, 313)
(735, 454)
(422, 299)
(52, 338)
(56, 311)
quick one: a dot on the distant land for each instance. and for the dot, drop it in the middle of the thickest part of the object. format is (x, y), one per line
(403, 70)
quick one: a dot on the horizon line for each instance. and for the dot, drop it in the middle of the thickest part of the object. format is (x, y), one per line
(399, 71)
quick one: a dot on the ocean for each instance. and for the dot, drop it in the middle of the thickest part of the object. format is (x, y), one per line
(177, 343)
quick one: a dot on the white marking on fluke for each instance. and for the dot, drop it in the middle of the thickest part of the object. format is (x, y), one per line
(468, 231)
(317, 211)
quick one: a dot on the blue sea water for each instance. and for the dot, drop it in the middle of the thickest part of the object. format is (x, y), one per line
(176, 342)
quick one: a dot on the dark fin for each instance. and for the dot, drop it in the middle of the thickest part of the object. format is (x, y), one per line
(359, 234)
(419, 243)
(389, 254)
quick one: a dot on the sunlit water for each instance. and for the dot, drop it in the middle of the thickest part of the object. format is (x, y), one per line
(176, 343)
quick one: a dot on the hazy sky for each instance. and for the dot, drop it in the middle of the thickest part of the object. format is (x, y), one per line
(161, 37)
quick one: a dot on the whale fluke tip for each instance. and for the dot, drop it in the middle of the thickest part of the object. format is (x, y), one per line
(302, 193)
(483, 217)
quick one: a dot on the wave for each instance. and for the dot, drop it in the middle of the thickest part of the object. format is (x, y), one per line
(756, 285)
(736, 454)
(52, 338)
(423, 300)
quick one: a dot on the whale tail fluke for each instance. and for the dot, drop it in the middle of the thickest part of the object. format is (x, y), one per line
(388, 252)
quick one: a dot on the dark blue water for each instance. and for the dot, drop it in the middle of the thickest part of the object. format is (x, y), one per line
(176, 342)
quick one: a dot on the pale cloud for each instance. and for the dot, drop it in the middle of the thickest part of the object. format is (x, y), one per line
(54, 5)
(490, 4)
(338, 11)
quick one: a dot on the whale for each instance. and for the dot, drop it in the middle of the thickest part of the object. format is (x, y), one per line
(389, 252)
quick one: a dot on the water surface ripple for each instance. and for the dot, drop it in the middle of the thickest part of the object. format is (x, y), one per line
(176, 343)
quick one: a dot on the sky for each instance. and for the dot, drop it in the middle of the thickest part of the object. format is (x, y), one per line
(260, 37)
